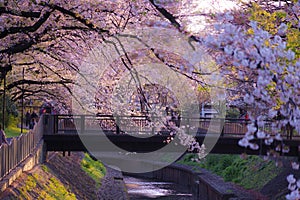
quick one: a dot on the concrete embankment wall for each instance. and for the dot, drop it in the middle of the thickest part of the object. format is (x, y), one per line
(202, 184)
(34, 158)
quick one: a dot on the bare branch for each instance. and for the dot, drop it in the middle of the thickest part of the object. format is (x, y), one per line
(34, 82)
(166, 14)
(11, 11)
(76, 16)
(27, 29)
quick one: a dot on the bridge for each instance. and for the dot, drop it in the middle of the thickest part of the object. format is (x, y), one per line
(64, 133)
(58, 133)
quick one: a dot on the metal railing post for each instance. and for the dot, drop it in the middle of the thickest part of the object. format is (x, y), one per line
(188, 125)
(117, 124)
(82, 124)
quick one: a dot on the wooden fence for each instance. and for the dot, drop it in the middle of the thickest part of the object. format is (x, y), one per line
(18, 149)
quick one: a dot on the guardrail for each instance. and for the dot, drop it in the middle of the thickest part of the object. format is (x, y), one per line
(64, 124)
(18, 149)
(71, 124)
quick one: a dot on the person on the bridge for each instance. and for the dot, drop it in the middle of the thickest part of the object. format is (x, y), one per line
(34, 115)
(32, 123)
(2, 137)
(247, 117)
(27, 119)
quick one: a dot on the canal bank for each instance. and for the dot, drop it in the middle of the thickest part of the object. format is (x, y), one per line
(199, 183)
(60, 177)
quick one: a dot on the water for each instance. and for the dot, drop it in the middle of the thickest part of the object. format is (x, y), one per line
(143, 189)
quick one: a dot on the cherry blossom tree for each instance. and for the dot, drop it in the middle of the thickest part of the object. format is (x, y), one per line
(256, 50)
(49, 39)
(263, 56)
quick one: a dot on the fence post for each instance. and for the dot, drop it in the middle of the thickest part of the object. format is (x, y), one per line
(117, 124)
(55, 124)
(222, 126)
(82, 124)
(1, 153)
(7, 159)
(44, 152)
(188, 125)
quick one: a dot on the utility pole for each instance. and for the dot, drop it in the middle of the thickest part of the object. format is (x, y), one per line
(3, 102)
(22, 103)
(4, 71)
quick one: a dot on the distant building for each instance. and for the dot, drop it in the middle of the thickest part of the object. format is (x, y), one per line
(208, 111)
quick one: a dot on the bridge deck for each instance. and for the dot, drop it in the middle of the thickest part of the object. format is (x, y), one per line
(224, 145)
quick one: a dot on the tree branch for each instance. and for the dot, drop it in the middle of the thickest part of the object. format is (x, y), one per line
(33, 82)
(166, 14)
(173, 21)
(19, 13)
(76, 16)
(27, 29)
(20, 47)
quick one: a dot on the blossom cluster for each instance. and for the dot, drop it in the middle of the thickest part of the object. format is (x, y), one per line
(277, 76)
(293, 186)
(190, 141)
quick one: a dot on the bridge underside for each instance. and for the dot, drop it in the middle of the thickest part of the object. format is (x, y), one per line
(224, 145)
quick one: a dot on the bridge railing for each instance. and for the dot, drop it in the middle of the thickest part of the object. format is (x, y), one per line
(18, 149)
(228, 127)
(71, 124)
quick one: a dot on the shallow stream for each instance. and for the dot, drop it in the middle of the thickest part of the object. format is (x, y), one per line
(141, 188)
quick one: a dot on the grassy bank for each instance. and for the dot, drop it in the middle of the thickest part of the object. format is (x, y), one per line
(250, 173)
(61, 177)
(94, 169)
(51, 188)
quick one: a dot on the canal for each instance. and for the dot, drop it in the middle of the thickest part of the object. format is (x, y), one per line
(143, 189)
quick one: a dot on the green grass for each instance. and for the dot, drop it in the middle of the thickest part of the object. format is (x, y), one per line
(94, 169)
(13, 131)
(45, 168)
(250, 173)
(53, 189)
